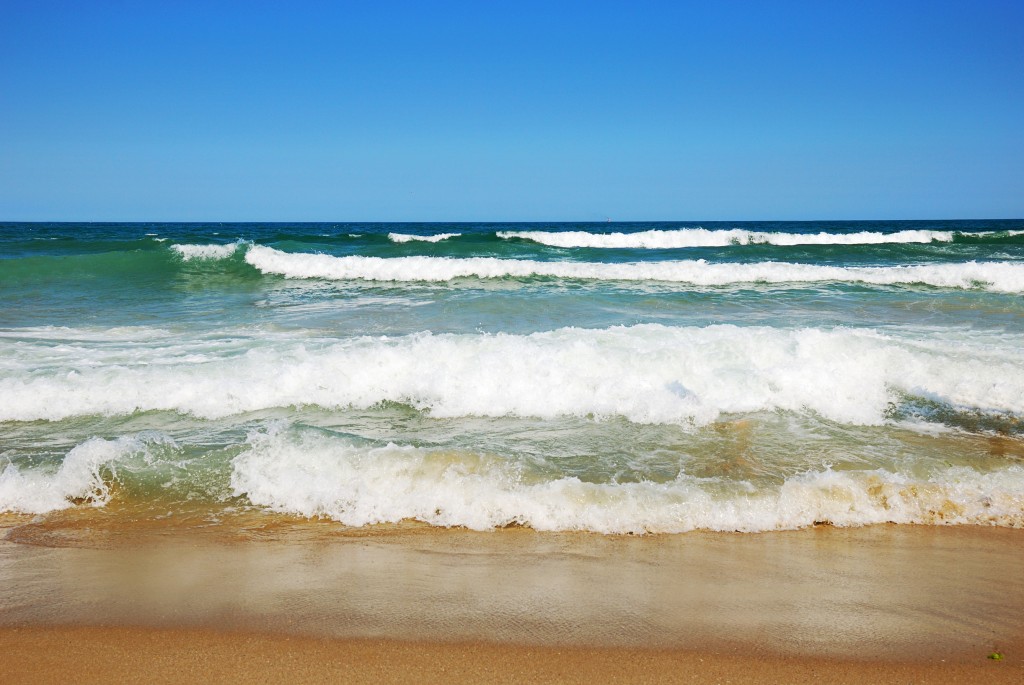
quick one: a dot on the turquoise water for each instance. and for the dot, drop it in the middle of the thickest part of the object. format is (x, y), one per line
(620, 377)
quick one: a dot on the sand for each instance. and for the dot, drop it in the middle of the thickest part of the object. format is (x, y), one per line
(309, 602)
(104, 655)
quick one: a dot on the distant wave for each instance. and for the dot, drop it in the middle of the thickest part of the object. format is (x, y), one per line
(410, 237)
(700, 237)
(208, 251)
(995, 276)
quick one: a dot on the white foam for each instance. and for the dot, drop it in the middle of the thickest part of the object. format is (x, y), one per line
(701, 237)
(78, 477)
(315, 475)
(647, 374)
(995, 276)
(409, 237)
(207, 252)
(79, 334)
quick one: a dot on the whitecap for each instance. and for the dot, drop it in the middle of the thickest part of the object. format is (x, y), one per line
(409, 237)
(994, 276)
(315, 475)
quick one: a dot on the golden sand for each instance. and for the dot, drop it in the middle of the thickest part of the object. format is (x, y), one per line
(145, 655)
(305, 602)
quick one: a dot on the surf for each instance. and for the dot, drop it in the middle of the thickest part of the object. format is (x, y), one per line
(995, 276)
(649, 373)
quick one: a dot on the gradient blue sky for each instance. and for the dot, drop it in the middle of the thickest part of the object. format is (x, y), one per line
(445, 111)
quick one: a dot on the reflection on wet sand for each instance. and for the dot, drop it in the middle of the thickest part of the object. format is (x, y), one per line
(883, 592)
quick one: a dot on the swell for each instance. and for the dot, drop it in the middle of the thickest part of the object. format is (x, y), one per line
(113, 266)
(993, 276)
(27, 238)
(448, 256)
(152, 262)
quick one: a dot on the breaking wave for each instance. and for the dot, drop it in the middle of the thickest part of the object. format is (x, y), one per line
(994, 276)
(77, 479)
(207, 252)
(409, 237)
(701, 237)
(317, 475)
(646, 374)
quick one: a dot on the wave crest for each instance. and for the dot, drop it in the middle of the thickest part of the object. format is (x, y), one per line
(410, 237)
(995, 276)
(646, 374)
(78, 478)
(214, 251)
(701, 237)
(316, 475)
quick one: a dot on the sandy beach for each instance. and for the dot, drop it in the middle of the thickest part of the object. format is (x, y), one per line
(278, 599)
(480, 342)
(95, 655)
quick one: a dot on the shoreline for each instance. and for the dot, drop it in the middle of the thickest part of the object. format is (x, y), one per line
(412, 603)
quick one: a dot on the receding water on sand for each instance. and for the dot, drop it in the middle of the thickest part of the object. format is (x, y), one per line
(880, 593)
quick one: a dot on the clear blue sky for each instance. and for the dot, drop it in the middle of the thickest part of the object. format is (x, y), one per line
(518, 110)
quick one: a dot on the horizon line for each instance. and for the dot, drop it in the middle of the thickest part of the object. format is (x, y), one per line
(480, 221)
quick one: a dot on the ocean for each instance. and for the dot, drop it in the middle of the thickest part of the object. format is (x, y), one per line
(617, 378)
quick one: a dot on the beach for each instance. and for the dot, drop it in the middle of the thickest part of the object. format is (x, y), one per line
(158, 656)
(734, 452)
(304, 601)
(463, 342)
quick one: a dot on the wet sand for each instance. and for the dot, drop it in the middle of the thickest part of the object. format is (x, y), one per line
(306, 601)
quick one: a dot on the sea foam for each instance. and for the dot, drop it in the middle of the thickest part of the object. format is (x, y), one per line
(77, 478)
(994, 276)
(410, 237)
(207, 252)
(646, 374)
(315, 475)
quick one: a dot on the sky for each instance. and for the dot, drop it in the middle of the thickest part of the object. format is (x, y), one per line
(511, 111)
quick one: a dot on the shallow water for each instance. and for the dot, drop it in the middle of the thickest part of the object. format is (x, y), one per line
(886, 593)
(610, 378)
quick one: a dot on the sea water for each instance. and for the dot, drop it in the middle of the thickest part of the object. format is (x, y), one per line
(611, 377)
